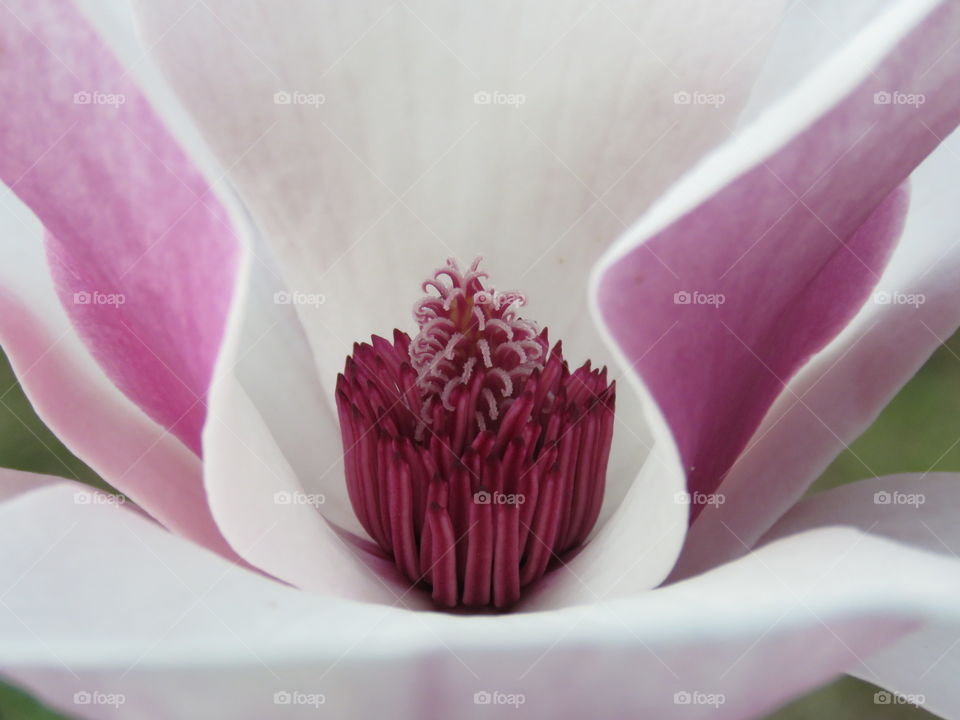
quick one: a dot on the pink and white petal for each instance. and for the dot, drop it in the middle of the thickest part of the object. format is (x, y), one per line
(261, 441)
(79, 403)
(916, 510)
(268, 453)
(809, 32)
(141, 252)
(760, 256)
(841, 391)
(654, 514)
(203, 637)
(383, 163)
(114, 21)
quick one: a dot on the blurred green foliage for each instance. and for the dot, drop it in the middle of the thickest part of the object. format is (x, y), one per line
(16, 705)
(918, 431)
(26, 443)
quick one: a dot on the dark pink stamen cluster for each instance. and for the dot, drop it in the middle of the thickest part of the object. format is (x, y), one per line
(473, 455)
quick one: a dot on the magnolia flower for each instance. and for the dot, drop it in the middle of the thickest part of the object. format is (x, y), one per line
(707, 198)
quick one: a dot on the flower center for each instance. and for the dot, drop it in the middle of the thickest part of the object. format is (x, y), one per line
(473, 456)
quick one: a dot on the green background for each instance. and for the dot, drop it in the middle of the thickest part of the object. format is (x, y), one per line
(918, 431)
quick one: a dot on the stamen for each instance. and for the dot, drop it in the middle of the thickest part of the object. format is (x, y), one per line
(473, 456)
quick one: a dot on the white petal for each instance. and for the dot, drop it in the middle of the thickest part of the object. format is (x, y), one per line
(98, 600)
(920, 511)
(272, 451)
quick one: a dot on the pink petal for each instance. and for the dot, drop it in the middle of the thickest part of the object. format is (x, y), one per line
(142, 255)
(916, 510)
(789, 225)
(841, 391)
(74, 397)
(204, 638)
